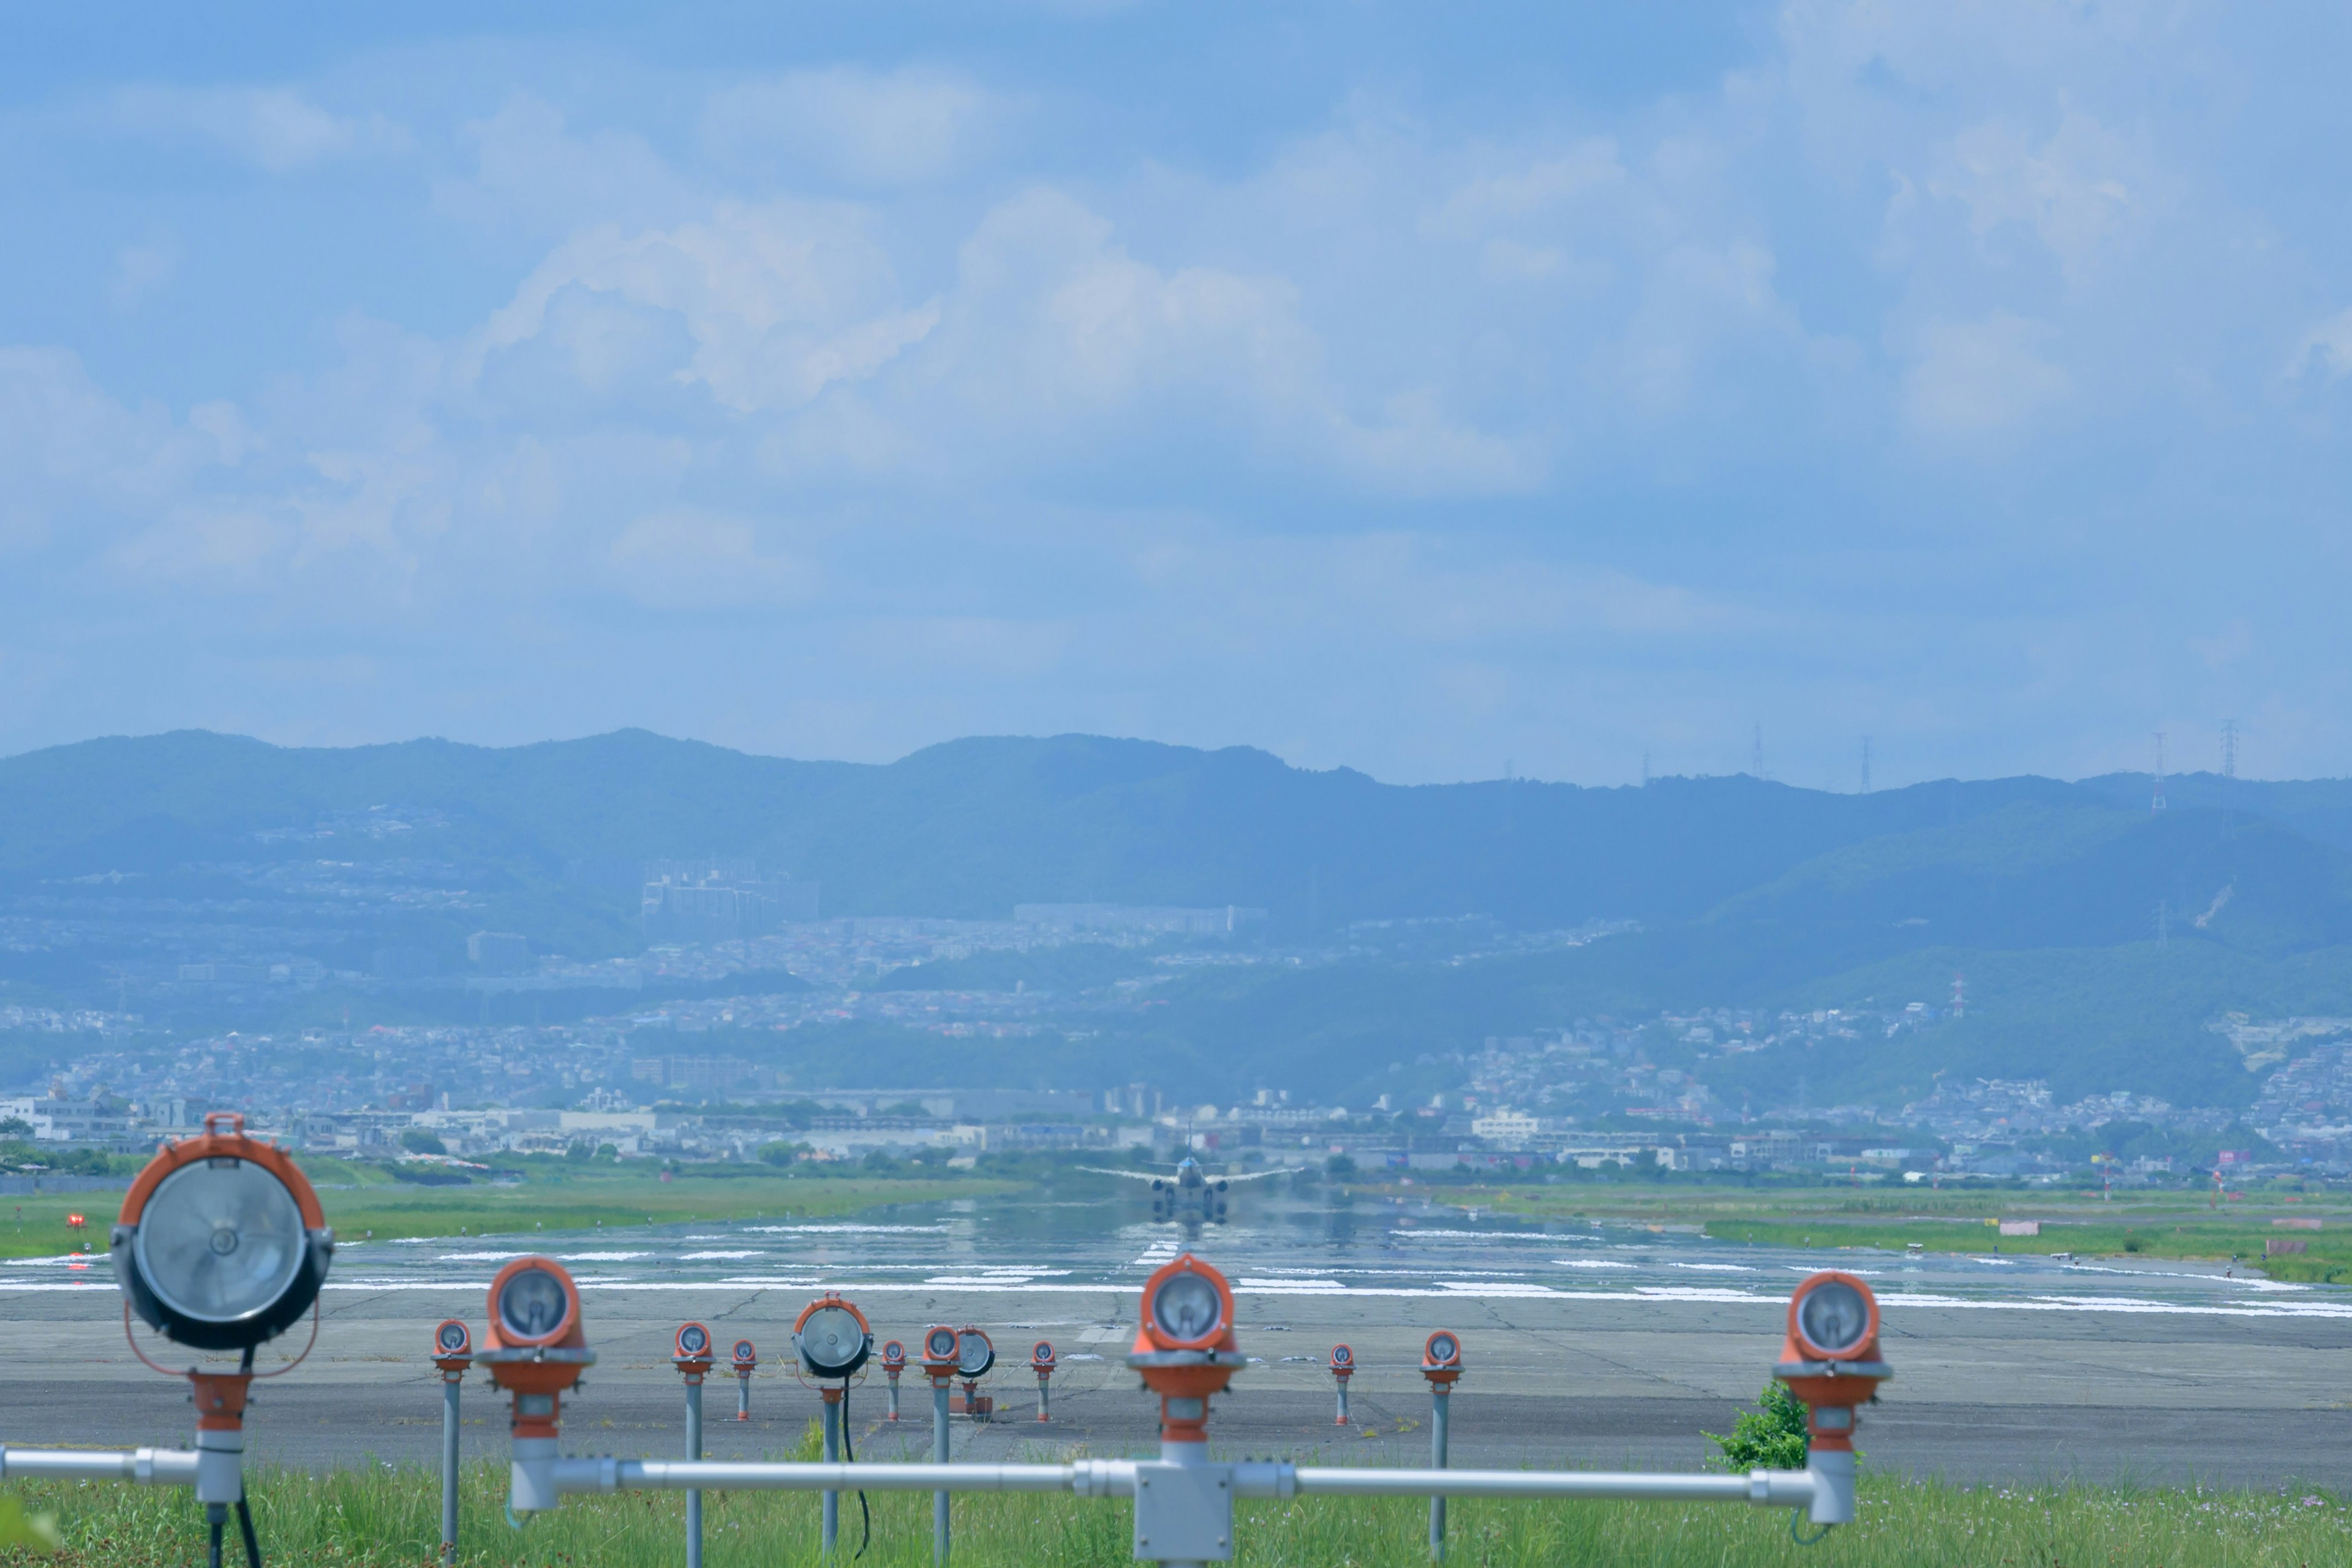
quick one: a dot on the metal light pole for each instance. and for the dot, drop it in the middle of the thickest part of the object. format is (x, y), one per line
(940, 1456)
(831, 1535)
(693, 1361)
(453, 1353)
(1343, 1367)
(1441, 1363)
(941, 1354)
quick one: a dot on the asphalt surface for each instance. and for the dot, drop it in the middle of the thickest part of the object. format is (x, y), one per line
(2063, 1391)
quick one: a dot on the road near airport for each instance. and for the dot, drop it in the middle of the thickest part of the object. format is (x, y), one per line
(1586, 1344)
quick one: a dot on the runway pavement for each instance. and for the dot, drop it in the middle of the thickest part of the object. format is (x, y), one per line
(2236, 1394)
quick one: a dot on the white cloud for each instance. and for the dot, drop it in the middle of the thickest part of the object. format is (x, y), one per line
(681, 559)
(73, 460)
(868, 128)
(2326, 348)
(1974, 378)
(778, 300)
(140, 271)
(2071, 190)
(530, 169)
(1055, 332)
(275, 128)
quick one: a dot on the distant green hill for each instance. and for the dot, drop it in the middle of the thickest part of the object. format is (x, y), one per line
(2050, 896)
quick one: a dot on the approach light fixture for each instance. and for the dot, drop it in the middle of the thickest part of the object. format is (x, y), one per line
(940, 1351)
(1441, 1357)
(975, 1354)
(221, 1244)
(1834, 1316)
(692, 1350)
(1185, 1348)
(1189, 1305)
(1830, 1362)
(832, 1337)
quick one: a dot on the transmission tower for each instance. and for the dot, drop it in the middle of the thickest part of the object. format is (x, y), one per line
(1865, 764)
(2163, 921)
(2229, 748)
(2158, 804)
(1755, 754)
(1959, 996)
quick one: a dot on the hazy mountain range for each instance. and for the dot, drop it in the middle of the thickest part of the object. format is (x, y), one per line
(2050, 896)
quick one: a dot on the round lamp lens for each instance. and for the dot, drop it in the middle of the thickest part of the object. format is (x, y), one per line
(452, 1338)
(220, 1240)
(940, 1344)
(1442, 1348)
(1833, 1316)
(831, 1337)
(1187, 1307)
(743, 1350)
(532, 1305)
(693, 1341)
(1343, 1355)
(974, 1354)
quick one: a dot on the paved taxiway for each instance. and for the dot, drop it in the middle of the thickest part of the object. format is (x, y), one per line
(2235, 1396)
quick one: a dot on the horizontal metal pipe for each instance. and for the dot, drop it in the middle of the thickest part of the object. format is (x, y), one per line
(1095, 1478)
(1782, 1489)
(142, 1466)
(1115, 1478)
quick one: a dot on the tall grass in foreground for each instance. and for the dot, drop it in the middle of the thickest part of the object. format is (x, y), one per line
(381, 1517)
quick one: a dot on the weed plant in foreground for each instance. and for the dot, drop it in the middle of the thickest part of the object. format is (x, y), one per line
(382, 1517)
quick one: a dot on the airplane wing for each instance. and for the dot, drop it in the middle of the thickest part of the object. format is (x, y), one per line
(1130, 1175)
(1260, 1176)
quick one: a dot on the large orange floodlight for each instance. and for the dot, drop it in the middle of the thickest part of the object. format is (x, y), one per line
(221, 1244)
(1830, 1359)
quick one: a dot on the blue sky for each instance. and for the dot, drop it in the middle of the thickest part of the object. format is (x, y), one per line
(1423, 389)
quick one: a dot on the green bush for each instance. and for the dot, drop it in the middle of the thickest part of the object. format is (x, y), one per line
(1770, 1438)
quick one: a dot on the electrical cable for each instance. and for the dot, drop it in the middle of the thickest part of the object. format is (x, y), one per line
(1796, 1516)
(245, 1528)
(849, 1454)
(215, 1517)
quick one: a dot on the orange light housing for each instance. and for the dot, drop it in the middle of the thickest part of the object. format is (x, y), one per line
(1041, 1358)
(746, 1357)
(1343, 1361)
(1441, 1358)
(453, 1346)
(940, 1348)
(691, 1351)
(893, 1357)
(832, 1336)
(1830, 1359)
(156, 1276)
(1185, 1350)
(534, 1346)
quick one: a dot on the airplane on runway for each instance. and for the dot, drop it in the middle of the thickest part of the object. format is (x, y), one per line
(1192, 1195)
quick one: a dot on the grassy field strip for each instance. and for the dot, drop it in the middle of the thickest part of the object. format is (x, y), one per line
(37, 1226)
(381, 1517)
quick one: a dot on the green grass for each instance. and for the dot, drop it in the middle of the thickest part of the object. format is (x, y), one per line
(382, 1517)
(569, 1198)
(2152, 1223)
